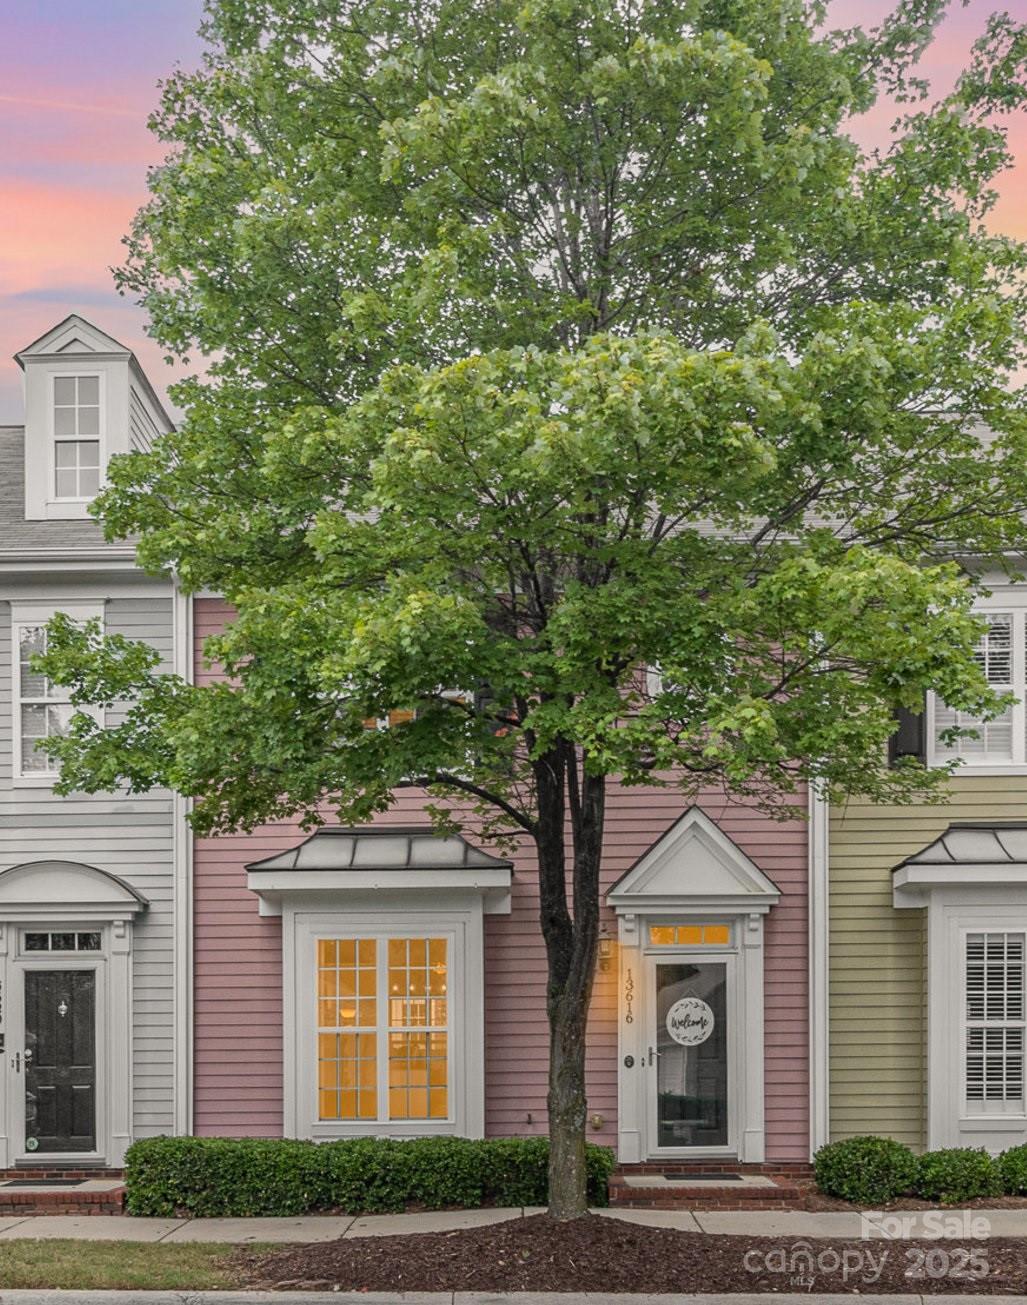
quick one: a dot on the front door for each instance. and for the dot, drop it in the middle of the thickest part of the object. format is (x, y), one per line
(688, 1056)
(60, 1060)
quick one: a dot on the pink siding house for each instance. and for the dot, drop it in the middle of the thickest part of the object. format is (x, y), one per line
(387, 981)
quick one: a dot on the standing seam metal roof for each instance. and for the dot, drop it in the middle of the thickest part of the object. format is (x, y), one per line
(385, 847)
(975, 843)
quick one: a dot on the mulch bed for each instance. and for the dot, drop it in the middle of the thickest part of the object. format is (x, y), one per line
(608, 1255)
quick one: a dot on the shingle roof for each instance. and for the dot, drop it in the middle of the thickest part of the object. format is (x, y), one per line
(385, 847)
(971, 843)
(15, 531)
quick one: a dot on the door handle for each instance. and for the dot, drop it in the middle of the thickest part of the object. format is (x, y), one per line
(17, 1062)
(654, 1055)
(28, 1056)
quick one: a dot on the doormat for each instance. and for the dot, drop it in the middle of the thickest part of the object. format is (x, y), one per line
(43, 1182)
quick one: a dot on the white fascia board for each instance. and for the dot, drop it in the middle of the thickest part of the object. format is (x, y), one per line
(913, 884)
(275, 886)
(687, 904)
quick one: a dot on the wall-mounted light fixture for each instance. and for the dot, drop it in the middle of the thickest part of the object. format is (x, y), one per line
(605, 950)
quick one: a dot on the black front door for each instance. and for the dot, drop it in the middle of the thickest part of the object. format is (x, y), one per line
(60, 1060)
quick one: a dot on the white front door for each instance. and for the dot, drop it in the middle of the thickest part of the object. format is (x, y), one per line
(690, 1062)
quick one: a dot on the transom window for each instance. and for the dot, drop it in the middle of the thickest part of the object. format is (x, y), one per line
(62, 942)
(76, 425)
(44, 708)
(994, 1023)
(383, 1029)
(1002, 741)
(690, 935)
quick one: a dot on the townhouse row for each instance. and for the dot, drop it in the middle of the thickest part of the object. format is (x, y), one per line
(763, 985)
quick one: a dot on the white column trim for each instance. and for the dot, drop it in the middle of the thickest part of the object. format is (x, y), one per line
(819, 958)
(182, 894)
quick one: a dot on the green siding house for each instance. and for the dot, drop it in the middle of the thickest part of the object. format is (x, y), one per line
(927, 933)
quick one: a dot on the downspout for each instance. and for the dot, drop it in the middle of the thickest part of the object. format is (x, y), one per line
(819, 926)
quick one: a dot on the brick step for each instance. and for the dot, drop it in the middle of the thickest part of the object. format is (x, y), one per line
(95, 1196)
(681, 1187)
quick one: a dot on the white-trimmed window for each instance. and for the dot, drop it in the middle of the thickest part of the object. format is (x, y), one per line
(43, 708)
(1001, 655)
(383, 1029)
(994, 1019)
(40, 708)
(76, 434)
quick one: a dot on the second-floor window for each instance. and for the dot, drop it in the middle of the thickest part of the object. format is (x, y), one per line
(44, 709)
(76, 425)
(1002, 741)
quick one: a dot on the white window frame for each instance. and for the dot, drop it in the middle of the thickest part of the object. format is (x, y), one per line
(973, 1109)
(55, 439)
(953, 911)
(1003, 598)
(30, 615)
(460, 923)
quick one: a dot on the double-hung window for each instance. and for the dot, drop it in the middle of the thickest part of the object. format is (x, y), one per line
(1003, 740)
(42, 709)
(76, 434)
(994, 1023)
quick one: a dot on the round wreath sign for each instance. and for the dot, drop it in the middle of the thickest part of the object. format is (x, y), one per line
(690, 1021)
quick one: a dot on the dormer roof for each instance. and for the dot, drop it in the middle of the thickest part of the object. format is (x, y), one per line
(76, 337)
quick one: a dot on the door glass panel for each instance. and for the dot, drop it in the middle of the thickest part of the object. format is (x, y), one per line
(691, 1042)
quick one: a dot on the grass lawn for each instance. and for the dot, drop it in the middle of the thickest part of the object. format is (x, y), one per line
(197, 1266)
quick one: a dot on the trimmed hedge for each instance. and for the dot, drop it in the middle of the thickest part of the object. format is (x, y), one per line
(957, 1173)
(865, 1170)
(1012, 1167)
(240, 1177)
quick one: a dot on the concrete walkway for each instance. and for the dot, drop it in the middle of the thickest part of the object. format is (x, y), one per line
(325, 1228)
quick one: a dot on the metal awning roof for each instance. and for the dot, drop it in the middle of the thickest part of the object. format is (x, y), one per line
(381, 847)
(980, 855)
(971, 843)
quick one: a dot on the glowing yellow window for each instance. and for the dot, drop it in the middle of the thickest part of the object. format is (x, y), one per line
(690, 935)
(404, 1024)
(418, 1028)
(347, 1068)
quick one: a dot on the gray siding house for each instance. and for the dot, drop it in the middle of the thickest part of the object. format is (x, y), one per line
(94, 910)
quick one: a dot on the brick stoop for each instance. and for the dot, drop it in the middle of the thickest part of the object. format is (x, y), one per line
(694, 1186)
(100, 1192)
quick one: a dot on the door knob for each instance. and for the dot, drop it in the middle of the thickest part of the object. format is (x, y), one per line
(28, 1055)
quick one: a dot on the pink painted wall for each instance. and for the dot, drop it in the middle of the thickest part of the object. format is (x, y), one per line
(238, 1044)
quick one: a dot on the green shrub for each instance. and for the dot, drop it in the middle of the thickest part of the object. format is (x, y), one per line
(237, 1177)
(957, 1174)
(865, 1170)
(1012, 1168)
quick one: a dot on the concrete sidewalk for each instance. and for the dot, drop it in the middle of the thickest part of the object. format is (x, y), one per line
(326, 1228)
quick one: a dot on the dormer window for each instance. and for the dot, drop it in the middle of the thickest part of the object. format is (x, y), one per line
(87, 401)
(76, 426)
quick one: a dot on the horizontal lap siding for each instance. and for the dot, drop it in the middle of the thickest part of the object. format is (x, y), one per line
(878, 956)
(238, 974)
(130, 837)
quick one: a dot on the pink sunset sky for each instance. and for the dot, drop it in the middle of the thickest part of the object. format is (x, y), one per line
(78, 80)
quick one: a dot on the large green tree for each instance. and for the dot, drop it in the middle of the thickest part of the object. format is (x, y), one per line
(549, 342)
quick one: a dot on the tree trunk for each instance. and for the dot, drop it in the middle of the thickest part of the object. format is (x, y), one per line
(568, 1194)
(571, 942)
